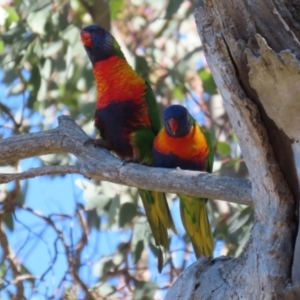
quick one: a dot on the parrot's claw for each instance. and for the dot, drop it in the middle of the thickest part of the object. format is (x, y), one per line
(130, 160)
(97, 143)
(134, 161)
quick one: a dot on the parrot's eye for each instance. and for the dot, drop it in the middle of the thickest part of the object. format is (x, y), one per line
(100, 31)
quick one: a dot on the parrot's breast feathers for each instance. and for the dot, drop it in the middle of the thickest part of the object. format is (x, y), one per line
(192, 146)
(117, 81)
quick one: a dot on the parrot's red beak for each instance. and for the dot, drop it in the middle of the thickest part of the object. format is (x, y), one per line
(173, 124)
(86, 38)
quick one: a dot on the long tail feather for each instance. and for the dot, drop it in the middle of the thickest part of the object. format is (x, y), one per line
(195, 221)
(159, 218)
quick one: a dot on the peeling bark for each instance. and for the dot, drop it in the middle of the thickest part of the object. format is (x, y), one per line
(274, 77)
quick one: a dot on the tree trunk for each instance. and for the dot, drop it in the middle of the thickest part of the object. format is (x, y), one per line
(252, 49)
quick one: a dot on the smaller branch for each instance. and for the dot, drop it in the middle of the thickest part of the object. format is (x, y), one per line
(11, 259)
(31, 173)
(7, 111)
(23, 278)
(72, 268)
(85, 232)
(39, 236)
(99, 11)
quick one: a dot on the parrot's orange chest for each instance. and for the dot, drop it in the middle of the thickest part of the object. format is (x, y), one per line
(121, 107)
(117, 81)
(192, 146)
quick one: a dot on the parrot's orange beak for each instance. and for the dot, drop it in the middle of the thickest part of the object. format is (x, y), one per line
(86, 38)
(173, 124)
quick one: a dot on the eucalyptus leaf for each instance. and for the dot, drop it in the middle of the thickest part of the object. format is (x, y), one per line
(173, 6)
(127, 212)
(9, 221)
(223, 148)
(103, 266)
(139, 248)
(12, 16)
(37, 21)
(144, 290)
(53, 48)
(116, 7)
(113, 207)
(106, 289)
(208, 82)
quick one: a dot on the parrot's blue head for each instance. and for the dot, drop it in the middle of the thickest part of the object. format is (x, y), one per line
(177, 121)
(99, 43)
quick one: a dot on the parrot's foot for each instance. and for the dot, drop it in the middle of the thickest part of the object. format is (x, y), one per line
(130, 160)
(134, 160)
(97, 143)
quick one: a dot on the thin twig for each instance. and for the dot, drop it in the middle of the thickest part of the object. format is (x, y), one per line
(72, 267)
(15, 267)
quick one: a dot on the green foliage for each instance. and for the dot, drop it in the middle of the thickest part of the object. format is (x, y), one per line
(235, 228)
(137, 253)
(172, 8)
(127, 212)
(116, 6)
(12, 16)
(106, 290)
(223, 148)
(208, 82)
(144, 290)
(178, 93)
(9, 221)
(139, 236)
(142, 67)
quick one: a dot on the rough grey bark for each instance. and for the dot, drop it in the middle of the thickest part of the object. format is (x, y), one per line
(101, 165)
(252, 49)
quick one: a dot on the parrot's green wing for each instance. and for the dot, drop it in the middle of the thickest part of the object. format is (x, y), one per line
(210, 157)
(153, 109)
(144, 137)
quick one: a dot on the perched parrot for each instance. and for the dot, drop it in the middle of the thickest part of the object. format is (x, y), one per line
(183, 143)
(127, 118)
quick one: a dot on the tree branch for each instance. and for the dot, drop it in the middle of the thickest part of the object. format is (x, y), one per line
(52, 170)
(101, 165)
(13, 262)
(99, 11)
(8, 112)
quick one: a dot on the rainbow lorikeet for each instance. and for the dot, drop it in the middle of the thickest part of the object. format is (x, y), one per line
(183, 143)
(127, 117)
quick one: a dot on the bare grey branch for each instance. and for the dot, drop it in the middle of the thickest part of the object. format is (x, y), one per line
(99, 164)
